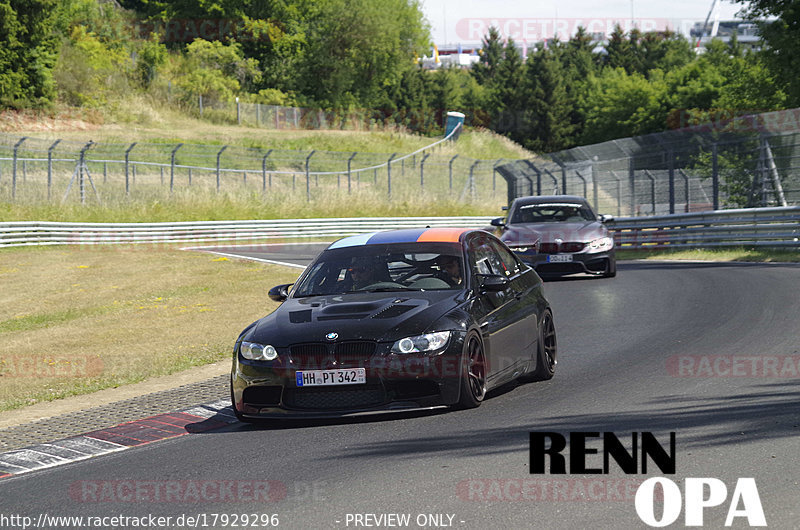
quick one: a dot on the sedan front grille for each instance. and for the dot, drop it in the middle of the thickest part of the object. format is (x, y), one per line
(555, 248)
(323, 356)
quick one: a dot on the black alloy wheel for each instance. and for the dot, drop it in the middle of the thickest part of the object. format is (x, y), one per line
(473, 377)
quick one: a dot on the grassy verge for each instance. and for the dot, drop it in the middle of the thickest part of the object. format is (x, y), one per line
(73, 321)
(209, 206)
(730, 254)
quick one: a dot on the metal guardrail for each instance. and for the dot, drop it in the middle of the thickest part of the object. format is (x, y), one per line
(749, 227)
(761, 227)
(28, 233)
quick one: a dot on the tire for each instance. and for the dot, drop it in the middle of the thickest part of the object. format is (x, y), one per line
(473, 374)
(547, 350)
(611, 271)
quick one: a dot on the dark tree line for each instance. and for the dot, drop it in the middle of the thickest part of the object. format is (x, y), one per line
(342, 55)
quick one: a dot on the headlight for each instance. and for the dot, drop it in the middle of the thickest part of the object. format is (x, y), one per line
(599, 245)
(422, 343)
(520, 248)
(258, 352)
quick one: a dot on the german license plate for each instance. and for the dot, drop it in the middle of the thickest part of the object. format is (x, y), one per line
(352, 376)
(559, 258)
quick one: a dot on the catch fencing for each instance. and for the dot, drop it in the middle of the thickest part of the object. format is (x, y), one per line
(755, 227)
(749, 161)
(36, 170)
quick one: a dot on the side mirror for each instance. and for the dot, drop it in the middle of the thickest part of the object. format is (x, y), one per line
(603, 218)
(498, 221)
(279, 293)
(494, 283)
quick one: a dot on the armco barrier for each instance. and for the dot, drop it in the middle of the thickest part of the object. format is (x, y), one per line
(749, 227)
(25, 233)
(761, 227)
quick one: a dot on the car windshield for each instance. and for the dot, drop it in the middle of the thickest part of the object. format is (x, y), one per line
(556, 212)
(385, 267)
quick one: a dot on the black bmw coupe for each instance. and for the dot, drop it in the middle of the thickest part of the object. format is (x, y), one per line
(405, 319)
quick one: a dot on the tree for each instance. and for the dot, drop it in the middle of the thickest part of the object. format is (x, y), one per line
(618, 51)
(491, 54)
(354, 48)
(782, 36)
(27, 53)
(216, 70)
(545, 124)
(507, 98)
(619, 105)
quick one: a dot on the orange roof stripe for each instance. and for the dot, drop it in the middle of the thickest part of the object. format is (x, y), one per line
(442, 235)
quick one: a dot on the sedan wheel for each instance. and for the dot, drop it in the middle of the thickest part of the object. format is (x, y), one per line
(473, 376)
(548, 348)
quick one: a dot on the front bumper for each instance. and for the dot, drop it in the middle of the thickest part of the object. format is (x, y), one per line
(595, 263)
(261, 389)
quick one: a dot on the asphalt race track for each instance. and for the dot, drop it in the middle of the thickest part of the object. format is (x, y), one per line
(708, 351)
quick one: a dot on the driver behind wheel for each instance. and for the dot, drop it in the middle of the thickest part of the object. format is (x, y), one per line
(366, 271)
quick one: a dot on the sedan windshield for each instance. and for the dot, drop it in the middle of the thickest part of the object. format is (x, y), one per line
(378, 268)
(561, 212)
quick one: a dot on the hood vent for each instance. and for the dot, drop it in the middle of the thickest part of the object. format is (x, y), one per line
(299, 317)
(393, 311)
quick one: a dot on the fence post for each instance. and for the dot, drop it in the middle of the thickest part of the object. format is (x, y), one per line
(389, 174)
(172, 167)
(451, 171)
(715, 175)
(50, 167)
(264, 171)
(494, 175)
(671, 170)
(563, 174)
(422, 171)
(652, 189)
(555, 181)
(127, 163)
(14, 168)
(308, 177)
(632, 183)
(585, 189)
(595, 198)
(200, 100)
(238, 112)
(219, 154)
(472, 178)
(82, 165)
(349, 162)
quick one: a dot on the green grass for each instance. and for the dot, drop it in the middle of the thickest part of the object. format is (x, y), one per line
(730, 254)
(76, 320)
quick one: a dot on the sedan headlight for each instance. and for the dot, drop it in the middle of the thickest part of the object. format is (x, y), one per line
(422, 343)
(601, 244)
(258, 352)
(523, 248)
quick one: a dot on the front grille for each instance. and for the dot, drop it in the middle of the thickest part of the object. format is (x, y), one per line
(334, 398)
(554, 248)
(322, 356)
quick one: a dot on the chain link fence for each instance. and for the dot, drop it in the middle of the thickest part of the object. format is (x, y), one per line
(750, 161)
(34, 169)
